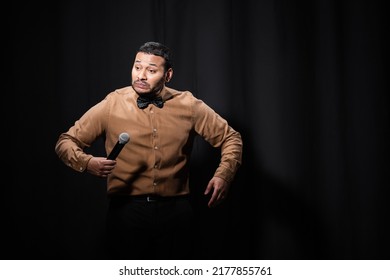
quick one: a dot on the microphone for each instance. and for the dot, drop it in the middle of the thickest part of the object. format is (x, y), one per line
(123, 139)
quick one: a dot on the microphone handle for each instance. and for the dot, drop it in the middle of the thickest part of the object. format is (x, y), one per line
(115, 152)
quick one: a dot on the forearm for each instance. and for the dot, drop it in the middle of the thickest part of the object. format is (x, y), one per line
(71, 152)
(231, 157)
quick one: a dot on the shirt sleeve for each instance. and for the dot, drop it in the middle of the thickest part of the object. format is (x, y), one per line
(71, 144)
(216, 131)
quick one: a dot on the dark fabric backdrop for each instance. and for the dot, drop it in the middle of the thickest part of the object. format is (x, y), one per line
(303, 81)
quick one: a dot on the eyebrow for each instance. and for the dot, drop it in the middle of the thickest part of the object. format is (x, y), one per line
(151, 64)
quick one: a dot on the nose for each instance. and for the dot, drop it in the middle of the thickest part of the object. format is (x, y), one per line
(141, 75)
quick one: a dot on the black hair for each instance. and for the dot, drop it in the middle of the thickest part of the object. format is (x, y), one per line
(158, 49)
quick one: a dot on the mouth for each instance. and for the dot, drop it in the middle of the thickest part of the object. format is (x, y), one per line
(141, 85)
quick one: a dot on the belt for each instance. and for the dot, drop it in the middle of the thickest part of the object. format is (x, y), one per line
(148, 197)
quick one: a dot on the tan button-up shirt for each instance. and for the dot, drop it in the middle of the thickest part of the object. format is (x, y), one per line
(156, 158)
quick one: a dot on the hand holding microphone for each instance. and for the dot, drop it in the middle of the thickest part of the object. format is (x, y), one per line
(123, 139)
(101, 166)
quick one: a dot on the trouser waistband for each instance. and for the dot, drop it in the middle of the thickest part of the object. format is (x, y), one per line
(147, 198)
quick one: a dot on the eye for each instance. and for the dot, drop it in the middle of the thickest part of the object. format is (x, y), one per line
(152, 71)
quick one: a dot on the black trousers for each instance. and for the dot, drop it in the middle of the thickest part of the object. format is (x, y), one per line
(145, 230)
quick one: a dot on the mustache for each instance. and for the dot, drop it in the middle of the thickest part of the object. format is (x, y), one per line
(140, 83)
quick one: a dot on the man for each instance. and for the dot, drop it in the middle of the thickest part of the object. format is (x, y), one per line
(149, 215)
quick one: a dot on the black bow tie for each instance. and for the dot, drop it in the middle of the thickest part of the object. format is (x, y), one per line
(143, 102)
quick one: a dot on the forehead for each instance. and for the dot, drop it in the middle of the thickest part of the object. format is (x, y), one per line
(149, 59)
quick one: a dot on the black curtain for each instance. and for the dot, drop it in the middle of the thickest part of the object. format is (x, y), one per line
(303, 81)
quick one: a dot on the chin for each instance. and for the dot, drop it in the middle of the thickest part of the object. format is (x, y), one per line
(141, 91)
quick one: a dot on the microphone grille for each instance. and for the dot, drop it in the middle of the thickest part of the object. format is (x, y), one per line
(124, 138)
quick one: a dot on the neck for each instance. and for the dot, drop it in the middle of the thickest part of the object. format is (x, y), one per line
(150, 95)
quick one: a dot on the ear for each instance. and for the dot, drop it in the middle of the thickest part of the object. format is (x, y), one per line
(168, 75)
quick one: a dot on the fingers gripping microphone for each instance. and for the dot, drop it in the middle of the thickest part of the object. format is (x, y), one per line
(123, 139)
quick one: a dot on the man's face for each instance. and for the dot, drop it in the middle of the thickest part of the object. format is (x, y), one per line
(148, 75)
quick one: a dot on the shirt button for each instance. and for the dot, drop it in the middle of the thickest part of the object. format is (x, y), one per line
(155, 147)
(155, 166)
(154, 184)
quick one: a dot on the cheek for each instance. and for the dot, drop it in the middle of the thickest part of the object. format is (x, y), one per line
(133, 76)
(156, 81)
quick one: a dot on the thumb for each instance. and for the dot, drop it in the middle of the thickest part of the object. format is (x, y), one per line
(209, 187)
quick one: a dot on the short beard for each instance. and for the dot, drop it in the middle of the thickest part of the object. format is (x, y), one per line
(153, 92)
